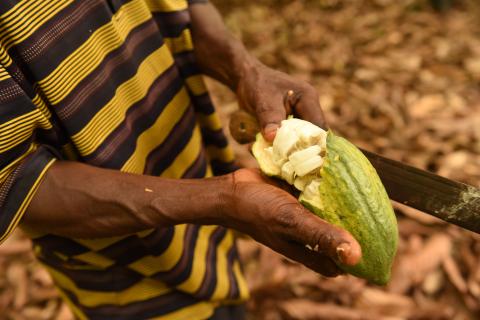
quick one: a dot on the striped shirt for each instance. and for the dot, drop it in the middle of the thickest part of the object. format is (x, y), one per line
(114, 83)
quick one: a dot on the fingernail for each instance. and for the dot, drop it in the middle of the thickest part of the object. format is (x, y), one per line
(343, 252)
(270, 130)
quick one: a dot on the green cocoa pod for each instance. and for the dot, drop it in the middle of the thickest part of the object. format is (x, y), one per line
(337, 183)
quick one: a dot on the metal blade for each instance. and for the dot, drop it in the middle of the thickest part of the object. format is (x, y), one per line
(451, 201)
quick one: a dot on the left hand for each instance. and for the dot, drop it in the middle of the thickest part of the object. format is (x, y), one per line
(272, 95)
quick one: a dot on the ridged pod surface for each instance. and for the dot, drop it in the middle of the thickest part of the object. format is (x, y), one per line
(354, 198)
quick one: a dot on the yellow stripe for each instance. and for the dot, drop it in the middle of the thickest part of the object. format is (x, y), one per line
(166, 5)
(26, 202)
(98, 244)
(150, 265)
(197, 85)
(128, 93)
(6, 171)
(156, 134)
(5, 59)
(223, 283)
(42, 106)
(144, 290)
(185, 158)
(241, 283)
(11, 124)
(17, 140)
(21, 128)
(202, 310)
(101, 243)
(91, 53)
(145, 233)
(22, 10)
(25, 21)
(209, 172)
(193, 283)
(30, 117)
(95, 260)
(212, 121)
(4, 74)
(224, 154)
(181, 43)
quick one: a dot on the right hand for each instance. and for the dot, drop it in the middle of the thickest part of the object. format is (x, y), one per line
(276, 219)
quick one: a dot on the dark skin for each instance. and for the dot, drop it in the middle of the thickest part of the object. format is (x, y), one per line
(81, 201)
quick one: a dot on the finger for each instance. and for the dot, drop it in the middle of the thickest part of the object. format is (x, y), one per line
(306, 228)
(290, 100)
(308, 108)
(270, 115)
(316, 261)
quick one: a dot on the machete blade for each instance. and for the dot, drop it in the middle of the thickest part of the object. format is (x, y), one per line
(451, 201)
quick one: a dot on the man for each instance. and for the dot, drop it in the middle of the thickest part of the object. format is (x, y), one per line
(103, 111)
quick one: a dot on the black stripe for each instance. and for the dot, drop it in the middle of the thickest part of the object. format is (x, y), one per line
(116, 4)
(220, 168)
(69, 41)
(6, 5)
(187, 64)
(214, 137)
(172, 24)
(163, 156)
(55, 244)
(12, 154)
(232, 256)
(104, 90)
(11, 108)
(209, 281)
(203, 104)
(134, 248)
(139, 117)
(154, 307)
(198, 169)
(12, 93)
(111, 279)
(233, 312)
(27, 175)
(181, 271)
(19, 77)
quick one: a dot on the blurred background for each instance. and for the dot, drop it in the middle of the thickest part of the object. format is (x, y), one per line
(401, 78)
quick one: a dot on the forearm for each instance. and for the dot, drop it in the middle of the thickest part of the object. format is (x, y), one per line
(77, 200)
(218, 53)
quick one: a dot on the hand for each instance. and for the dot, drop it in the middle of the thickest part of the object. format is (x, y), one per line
(276, 219)
(272, 95)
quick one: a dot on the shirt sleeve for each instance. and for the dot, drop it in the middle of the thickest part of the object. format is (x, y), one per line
(23, 161)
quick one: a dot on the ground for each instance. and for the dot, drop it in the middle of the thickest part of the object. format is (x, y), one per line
(395, 77)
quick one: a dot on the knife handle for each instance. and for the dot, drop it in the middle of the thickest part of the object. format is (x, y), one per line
(243, 126)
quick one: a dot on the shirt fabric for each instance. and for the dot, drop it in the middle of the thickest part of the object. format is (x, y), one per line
(114, 84)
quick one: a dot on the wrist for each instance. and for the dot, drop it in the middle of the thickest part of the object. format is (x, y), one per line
(197, 201)
(240, 66)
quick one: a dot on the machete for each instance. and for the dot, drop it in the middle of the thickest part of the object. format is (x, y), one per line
(451, 201)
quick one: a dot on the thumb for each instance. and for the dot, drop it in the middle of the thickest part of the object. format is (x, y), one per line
(269, 118)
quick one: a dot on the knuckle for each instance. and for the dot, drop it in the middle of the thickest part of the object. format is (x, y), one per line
(286, 217)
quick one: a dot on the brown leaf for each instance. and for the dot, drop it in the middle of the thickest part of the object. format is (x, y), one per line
(384, 303)
(414, 267)
(302, 309)
(454, 275)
